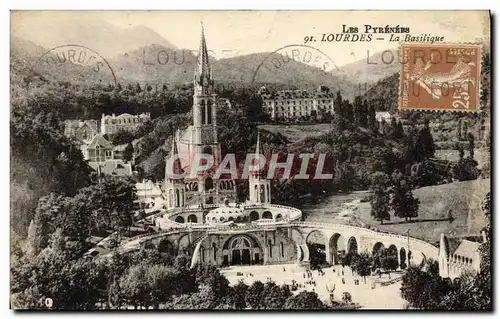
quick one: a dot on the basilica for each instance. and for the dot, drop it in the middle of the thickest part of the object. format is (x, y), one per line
(203, 219)
(201, 138)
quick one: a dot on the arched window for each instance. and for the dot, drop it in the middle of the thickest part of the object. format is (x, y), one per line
(207, 150)
(209, 183)
(261, 199)
(177, 198)
(209, 112)
(270, 244)
(203, 110)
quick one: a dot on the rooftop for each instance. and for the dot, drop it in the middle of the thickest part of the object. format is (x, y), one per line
(113, 167)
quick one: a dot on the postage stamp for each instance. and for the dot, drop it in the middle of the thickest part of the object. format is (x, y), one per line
(440, 77)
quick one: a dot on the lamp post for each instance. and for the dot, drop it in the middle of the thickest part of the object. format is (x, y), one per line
(408, 246)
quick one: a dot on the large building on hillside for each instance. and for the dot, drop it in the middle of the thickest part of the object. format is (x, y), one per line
(297, 104)
(124, 122)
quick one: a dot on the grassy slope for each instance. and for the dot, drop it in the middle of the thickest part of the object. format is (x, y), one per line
(296, 133)
(462, 198)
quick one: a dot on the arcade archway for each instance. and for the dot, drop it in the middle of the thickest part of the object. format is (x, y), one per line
(254, 216)
(315, 241)
(337, 248)
(242, 250)
(352, 246)
(179, 219)
(267, 215)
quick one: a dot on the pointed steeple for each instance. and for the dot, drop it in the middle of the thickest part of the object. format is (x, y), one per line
(176, 165)
(258, 152)
(203, 70)
(257, 147)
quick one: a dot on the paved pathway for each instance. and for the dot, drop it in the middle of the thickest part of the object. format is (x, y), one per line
(386, 297)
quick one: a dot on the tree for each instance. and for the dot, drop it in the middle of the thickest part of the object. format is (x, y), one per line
(346, 297)
(380, 197)
(274, 296)
(402, 202)
(372, 119)
(304, 300)
(138, 88)
(466, 168)
(122, 137)
(240, 291)
(112, 203)
(389, 262)
(128, 152)
(254, 295)
(362, 265)
(426, 173)
(423, 290)
(470, 139)
(421, 145)
(344, 177)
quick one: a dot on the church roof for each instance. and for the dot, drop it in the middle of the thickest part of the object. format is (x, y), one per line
(467, 248)
(176, 165)
(101, 141)
(112, 167)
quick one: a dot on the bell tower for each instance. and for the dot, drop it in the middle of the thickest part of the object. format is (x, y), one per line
(259, 187)
(204, 137)
(174, 180)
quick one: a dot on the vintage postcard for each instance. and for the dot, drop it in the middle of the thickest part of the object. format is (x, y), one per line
(250, 160)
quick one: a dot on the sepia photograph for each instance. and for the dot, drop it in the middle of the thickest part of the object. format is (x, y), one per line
(250, 160)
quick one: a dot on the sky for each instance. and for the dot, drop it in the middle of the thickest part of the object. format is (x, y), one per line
(232, 33)
(265, 31)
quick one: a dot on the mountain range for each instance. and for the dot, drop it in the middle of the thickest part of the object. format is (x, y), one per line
(146, 57)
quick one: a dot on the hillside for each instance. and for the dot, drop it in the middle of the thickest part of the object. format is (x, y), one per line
(384, 94)
(30, 63)
(84, 29)
(158, 64)
(461, 199)
(371, 68)
(154, 64)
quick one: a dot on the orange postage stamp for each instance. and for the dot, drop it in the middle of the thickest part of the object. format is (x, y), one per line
(440, 77)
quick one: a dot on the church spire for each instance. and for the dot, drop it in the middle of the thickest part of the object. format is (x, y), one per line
(176, 165)
(203, 64)
(257, 154)
(257, 147)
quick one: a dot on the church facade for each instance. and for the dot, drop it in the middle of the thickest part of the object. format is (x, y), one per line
(199, 138)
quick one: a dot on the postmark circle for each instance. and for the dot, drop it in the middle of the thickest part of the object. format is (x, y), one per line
(276, 61)
(74, 63)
